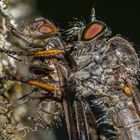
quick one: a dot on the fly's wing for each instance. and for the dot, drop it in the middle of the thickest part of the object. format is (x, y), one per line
(76, 118)
(68, 112)
(130, 60)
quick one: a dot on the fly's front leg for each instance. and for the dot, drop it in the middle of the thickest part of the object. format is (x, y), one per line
(36, 53)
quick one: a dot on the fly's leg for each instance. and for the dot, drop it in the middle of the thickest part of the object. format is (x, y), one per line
(39, 53)
(36, 83)
(36, 53)
(103, 121)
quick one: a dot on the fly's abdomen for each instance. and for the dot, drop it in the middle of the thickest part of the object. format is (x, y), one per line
(127, 120)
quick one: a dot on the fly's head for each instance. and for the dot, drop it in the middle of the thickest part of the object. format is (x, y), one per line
(92, 31)
(36, 33)
(40, 28)
(88, 33)
(40, 31)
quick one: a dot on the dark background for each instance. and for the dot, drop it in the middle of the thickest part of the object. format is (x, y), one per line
(122, 16)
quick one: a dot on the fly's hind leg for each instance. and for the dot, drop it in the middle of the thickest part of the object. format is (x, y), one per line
(36, 83)
(36, 53)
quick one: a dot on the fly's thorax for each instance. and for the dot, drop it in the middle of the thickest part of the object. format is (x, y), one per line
(39, 31)
(89, 53)
(114, 64)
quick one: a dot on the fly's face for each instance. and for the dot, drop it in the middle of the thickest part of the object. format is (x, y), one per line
(37, 33)
(93, 31)
(40, 28)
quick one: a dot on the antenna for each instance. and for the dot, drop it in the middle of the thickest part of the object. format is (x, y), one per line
(93, 16)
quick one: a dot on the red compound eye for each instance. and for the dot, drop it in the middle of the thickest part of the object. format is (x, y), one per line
(48, 28)
(92, 31)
